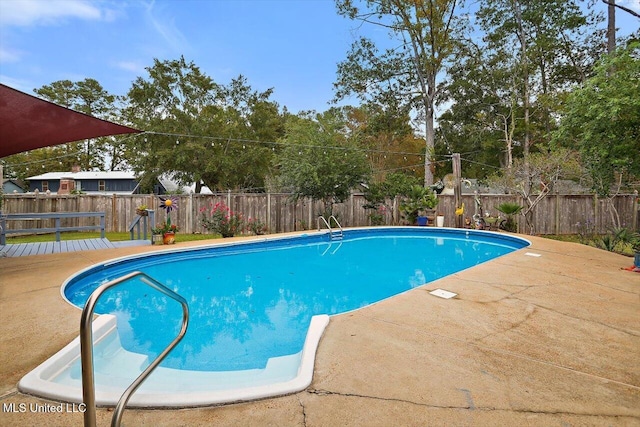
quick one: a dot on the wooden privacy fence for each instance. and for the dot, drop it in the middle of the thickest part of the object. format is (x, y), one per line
(556, 214)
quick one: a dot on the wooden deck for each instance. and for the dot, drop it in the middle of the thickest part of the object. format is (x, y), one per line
(40, 248)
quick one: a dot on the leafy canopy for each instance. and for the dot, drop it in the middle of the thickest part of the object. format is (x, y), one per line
(319, 161)
(602, 120)
(200, 131)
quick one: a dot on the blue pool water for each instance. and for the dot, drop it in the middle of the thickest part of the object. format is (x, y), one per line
(249, 302)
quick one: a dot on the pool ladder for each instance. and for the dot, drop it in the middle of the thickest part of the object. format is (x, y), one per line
(86, 348)
(333, 233)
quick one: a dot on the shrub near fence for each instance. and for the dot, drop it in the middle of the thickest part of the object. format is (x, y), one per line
(556, 214)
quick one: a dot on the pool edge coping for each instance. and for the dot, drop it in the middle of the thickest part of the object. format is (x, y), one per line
(34, 383)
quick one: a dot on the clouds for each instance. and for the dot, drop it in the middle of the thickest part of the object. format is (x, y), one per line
(164, 25)
(21, 13)
(132, 66)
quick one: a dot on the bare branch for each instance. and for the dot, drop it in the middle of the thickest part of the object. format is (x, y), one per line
(626, 9)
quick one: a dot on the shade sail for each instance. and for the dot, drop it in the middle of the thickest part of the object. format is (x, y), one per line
(27, 122)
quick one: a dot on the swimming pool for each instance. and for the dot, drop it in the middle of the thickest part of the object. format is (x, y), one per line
(257, 308)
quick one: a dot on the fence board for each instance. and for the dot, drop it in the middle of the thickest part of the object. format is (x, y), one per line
(556, 214)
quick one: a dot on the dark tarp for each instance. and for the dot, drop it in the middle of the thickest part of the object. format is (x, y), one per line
(27, 122)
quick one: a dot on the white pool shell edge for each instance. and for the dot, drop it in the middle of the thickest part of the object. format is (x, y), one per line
(37, 382)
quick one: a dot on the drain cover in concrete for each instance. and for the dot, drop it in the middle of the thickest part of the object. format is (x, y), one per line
(442, 293)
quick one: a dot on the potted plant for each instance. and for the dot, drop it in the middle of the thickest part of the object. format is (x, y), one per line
(157, 234)
(419, 205)
(635, 244)
(510, 209)
(142, 210)
(168, 229)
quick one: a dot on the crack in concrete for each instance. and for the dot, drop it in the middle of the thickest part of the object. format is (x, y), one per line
(304, 412)
(514, 325)
(581, 319)
(318, 392)
(573, 278)
(9, 393)
(471, 407)
(503, 352)
(513, 295)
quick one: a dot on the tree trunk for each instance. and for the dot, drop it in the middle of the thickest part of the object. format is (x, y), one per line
(611, 26)
(429, 130)
(524, 61)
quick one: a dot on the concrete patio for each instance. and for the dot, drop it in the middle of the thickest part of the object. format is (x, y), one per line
(552, 340)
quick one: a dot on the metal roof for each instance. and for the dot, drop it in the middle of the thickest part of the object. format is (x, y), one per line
(84, 175)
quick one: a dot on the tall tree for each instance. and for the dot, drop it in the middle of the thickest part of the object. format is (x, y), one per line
(541, 42)
(407, 72)
(319, 160)
(385, 132)
(200, 131)
(481, 121)
(89, 97)
(611, 26)
(507, 85)
(602, 121)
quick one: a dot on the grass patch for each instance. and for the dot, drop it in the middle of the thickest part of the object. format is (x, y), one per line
(603, 241)
(574, 238)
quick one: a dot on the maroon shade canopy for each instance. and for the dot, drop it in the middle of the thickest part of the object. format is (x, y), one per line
(27, 122)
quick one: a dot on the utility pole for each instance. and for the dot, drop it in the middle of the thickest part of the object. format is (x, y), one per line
(457, 189)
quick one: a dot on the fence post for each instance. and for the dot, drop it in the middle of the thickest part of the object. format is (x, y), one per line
(457, 173)
(352, 210)
(269, 210)
(556, 228)
(189, 215)
(114, 217)
(102, 225)
(3, 227)
(596, 209)
(634, 212)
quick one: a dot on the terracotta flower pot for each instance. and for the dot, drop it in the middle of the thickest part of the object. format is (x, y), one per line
(169, 238)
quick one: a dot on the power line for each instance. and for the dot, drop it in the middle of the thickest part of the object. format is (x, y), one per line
(9, 165)
(481, 164)
(285, 144)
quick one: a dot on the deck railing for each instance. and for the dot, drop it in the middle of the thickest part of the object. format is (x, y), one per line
(57, 228)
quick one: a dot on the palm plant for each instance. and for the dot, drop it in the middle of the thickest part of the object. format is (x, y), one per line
(510, 209)
(418, 200)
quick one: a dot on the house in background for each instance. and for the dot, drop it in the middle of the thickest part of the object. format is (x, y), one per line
(86, 182)
(12, 186)
(96, 182)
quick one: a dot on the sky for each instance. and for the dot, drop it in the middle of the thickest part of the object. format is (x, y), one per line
(292, 46)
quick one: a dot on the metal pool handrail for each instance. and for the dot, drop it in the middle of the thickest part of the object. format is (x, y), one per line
(86, 348)
(332, 234)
